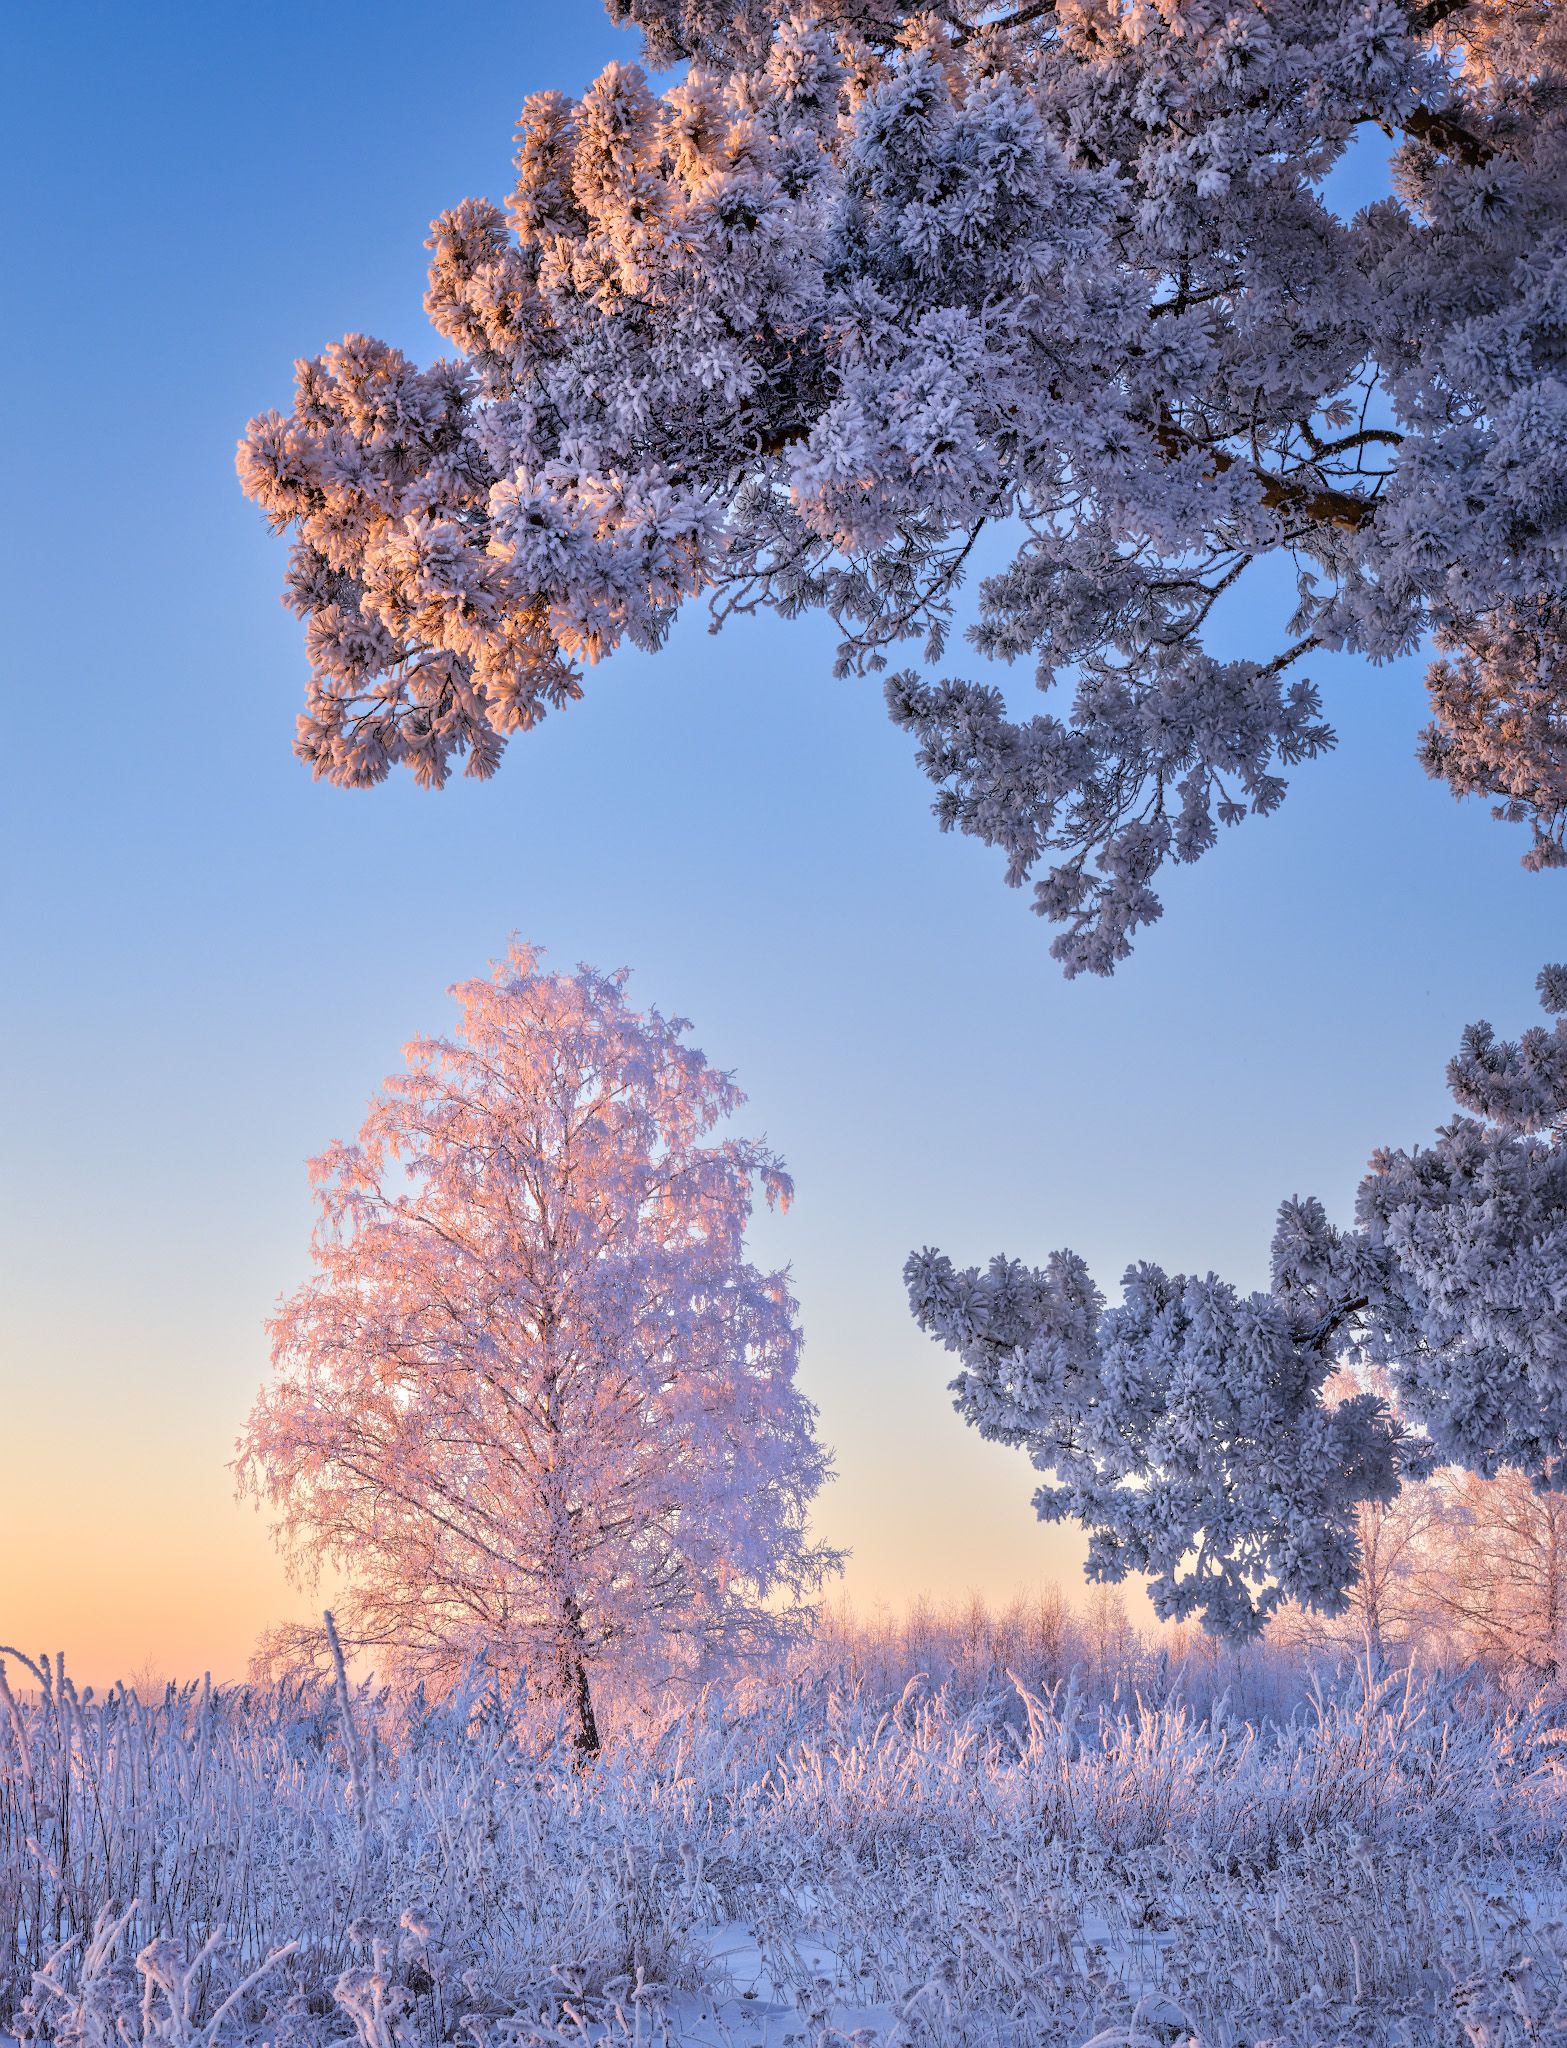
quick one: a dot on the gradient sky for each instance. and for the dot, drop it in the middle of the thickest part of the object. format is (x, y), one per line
(211, 961)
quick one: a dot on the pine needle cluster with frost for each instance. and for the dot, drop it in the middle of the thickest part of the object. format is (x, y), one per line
(1189, 1426)
(871, 280)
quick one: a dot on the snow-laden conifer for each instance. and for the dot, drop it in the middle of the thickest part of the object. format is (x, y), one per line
(1189, 1427)
(871, 281)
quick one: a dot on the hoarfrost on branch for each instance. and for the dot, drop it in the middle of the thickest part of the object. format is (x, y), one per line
(1189, 1426)
(867, 282)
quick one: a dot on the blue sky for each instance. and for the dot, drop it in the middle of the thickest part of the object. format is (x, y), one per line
(212, 960)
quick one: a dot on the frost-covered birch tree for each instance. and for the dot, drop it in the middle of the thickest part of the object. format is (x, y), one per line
(533, 1403)
(869, 282)
(1189, 1426)
(1497, 1574)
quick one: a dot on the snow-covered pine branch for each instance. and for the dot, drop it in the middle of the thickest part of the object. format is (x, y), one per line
(869, 281)
(1188, 1426)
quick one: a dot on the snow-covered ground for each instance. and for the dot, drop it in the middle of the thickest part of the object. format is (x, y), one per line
(811, 1863)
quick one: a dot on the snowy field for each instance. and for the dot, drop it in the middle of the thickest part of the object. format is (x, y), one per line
(808, 1862)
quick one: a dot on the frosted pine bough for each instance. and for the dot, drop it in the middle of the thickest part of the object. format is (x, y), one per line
(534, 1404)
(796, 331)
(1187, 1427)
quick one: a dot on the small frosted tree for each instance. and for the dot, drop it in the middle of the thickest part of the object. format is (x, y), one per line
(1497, 1574)
(1192, 1428)
(533, 1402)
(1389, 1611)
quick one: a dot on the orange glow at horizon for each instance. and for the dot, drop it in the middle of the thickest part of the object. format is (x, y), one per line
(122, 1544)
(147, 1567)
(160, 1576)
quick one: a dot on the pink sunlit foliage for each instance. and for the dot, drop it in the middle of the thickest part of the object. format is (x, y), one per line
(870, 280)
(1197, 1431)
(534, 1403)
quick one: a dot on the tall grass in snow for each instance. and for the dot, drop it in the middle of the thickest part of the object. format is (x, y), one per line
(950, 1863)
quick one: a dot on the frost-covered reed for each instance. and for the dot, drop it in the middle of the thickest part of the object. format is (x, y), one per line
(957, 1864)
